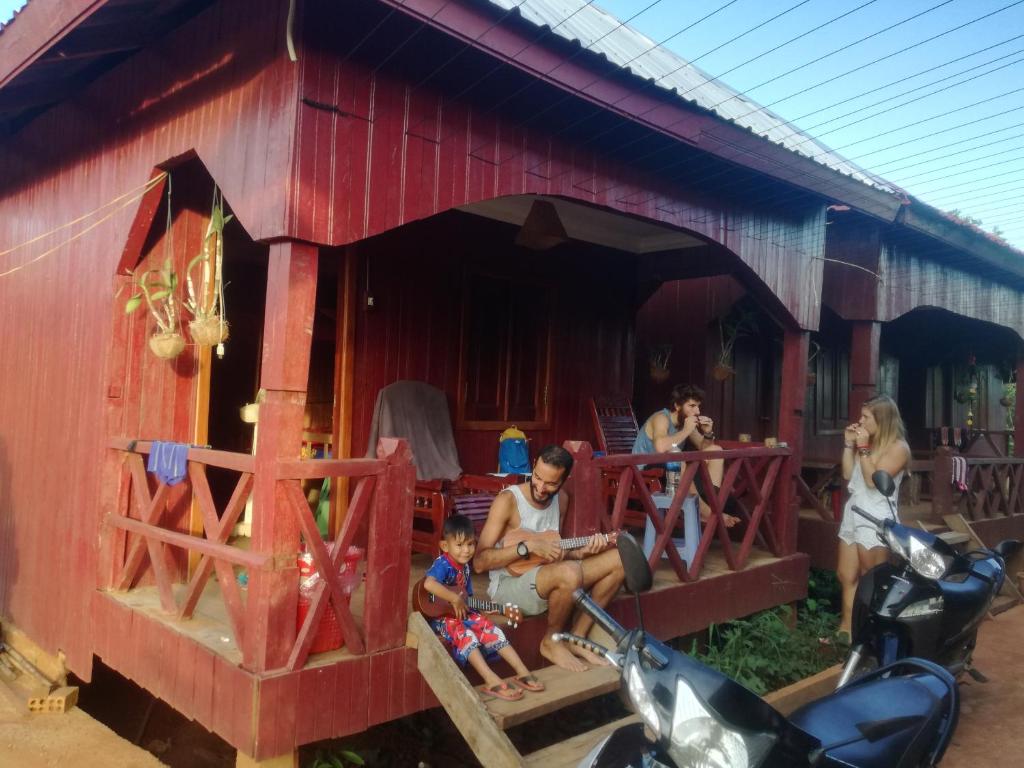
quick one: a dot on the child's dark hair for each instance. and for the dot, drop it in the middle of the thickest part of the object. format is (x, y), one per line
(458, 527)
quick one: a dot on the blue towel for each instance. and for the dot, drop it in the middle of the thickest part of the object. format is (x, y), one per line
(168, 461)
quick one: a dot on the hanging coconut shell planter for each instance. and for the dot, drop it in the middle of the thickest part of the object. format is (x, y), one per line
(204, 281)
(156, 290)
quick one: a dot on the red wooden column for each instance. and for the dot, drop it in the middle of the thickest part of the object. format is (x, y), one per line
(585, 511)
(287, 333)
(793, 394)
(1018, 412)
(864, 343)
(388, 548)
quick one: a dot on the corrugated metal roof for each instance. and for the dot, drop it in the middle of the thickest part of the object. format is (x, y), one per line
(605, 35)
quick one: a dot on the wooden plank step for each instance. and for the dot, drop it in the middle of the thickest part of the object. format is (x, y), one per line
(562, 689)
(568, 753)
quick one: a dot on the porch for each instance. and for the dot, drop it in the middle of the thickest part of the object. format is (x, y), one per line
(195, 641)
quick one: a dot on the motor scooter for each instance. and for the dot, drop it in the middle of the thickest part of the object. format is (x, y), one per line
(928, 604)
(692, 716)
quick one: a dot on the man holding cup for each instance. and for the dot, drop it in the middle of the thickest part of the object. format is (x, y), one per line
(683, 428)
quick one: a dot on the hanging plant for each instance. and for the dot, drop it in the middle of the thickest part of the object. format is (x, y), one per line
(204, 280)
(738, 323)
(812, 375)
(156, 288)
(658, 362)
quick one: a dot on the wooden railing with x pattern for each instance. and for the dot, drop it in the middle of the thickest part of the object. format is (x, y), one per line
(383, 489)
(751, 476)
(993, 486)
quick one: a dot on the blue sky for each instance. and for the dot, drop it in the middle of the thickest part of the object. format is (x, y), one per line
(923, 146)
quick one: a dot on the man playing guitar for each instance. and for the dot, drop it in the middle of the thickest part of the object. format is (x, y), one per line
(539, 505)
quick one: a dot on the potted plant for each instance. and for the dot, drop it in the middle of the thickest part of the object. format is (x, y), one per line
(658, 362)
(156, 288)
(204, 282)
(812, 374)
(730, 328)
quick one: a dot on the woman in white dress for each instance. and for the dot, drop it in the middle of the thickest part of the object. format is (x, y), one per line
(875, 442)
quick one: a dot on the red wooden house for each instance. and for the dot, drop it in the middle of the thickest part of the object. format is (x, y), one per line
(438, 190)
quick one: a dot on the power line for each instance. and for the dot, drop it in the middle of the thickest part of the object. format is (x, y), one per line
(838, 50)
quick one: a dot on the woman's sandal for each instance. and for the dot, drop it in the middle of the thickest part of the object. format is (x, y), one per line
(505, 691)
(528, 683)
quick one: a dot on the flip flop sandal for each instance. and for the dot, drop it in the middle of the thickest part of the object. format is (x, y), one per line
(528, 683)
(505, 691)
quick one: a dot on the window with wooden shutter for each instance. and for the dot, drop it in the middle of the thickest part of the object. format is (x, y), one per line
(504, 367)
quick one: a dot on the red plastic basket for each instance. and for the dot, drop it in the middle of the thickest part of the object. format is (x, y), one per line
(328, 636)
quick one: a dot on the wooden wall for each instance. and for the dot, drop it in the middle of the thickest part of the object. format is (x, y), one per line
(388, 134)
(222, 86)
(413, 331)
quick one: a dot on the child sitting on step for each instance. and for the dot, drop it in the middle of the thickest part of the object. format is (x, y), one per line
(468, 634)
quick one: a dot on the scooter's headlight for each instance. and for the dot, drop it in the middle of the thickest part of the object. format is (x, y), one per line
(926, 561)
(700, 738)
(894, 543)
(642, 700)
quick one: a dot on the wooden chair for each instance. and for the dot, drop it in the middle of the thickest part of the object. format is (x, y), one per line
(435, 500)
(616, 428)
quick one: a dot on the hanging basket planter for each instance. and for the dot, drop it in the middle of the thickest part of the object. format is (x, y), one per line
(166, 345)
(1006, 402)
(209, 331)
(658, 374)
(721, 372)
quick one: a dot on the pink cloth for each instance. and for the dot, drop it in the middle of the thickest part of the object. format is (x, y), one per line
(959, 478)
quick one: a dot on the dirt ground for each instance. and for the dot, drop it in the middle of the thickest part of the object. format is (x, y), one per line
(72, 738)
(990, 713)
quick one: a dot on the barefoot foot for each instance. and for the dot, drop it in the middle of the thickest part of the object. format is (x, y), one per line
(560, 655)
(589, 656)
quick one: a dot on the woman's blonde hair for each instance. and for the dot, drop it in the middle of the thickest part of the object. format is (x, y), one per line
(890, 424)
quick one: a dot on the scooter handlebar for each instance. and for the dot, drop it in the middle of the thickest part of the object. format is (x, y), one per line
(600, 616)
(867, 515)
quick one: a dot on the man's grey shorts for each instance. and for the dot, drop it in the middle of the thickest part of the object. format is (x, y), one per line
(521, 591)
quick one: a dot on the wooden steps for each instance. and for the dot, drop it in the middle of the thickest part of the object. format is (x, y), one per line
(563, 688)
(568, 753)
(482, 719)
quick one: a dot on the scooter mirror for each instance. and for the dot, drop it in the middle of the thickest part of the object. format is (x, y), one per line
(637, 570)
(883, 482)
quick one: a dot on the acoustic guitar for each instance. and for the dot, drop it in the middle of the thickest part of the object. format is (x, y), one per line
(434, 607)
(516, 535)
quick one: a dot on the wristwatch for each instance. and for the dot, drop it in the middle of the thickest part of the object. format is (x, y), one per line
(522, 550)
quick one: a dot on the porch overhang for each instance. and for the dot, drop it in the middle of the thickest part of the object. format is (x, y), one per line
(619, 92)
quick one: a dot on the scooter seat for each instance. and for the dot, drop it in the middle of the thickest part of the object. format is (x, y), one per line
(887, 722)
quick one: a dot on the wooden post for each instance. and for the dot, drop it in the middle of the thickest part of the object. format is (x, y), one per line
(287, 334)
(389, 549)
(1018, 411)
(942, 485)
(865, 339)
(792, 397)
(584, 515)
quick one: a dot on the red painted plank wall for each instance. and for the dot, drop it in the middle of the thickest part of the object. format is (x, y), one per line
(413, 331)
(376, 151)
(221, 85)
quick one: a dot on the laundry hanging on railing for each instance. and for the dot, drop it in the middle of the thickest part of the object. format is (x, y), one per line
(168, 461)
(959, 478)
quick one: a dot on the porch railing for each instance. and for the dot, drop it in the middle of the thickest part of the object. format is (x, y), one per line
(994, 487)
(754, 476)
(382, 487)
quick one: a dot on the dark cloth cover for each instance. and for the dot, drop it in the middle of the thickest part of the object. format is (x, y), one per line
(419, 413)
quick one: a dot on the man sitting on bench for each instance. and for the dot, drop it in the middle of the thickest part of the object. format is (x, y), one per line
(518, 514)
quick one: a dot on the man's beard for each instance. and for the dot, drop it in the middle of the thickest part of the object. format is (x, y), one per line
(544, 501)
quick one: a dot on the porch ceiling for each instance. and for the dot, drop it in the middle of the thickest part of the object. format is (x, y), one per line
(589, 224)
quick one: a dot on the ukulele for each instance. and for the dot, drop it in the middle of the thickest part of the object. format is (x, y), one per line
(434, 607)
(516, 535)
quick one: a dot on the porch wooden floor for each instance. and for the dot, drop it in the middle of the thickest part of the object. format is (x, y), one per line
(209, 627)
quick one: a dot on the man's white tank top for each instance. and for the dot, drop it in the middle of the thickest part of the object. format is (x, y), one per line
(532, 519)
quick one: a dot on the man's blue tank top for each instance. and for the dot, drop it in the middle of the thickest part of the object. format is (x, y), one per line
(644, 444)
